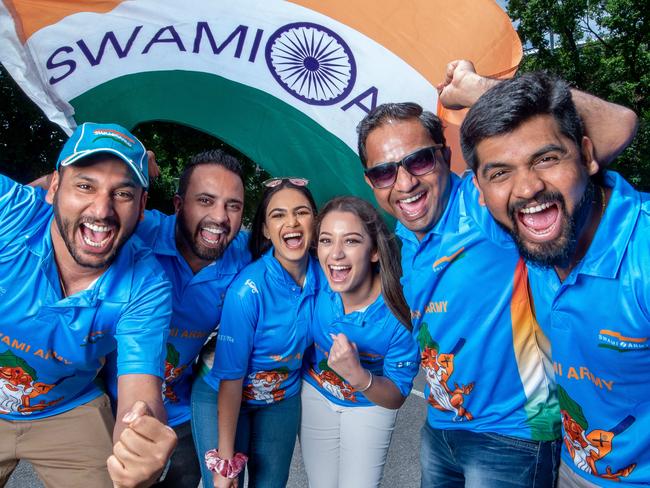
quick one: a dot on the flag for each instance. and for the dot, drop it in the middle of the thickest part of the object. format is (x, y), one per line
(284, 82)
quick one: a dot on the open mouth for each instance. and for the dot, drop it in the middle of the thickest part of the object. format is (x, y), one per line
(293, 240)
(339, 272)
(97, 237)
(540, 222)
(413, 206)
(212, 236)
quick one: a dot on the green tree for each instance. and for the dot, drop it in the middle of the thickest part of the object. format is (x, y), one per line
(600, 46)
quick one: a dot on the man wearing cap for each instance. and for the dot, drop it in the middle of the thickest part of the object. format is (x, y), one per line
(489, 376)
(73, 288)
(201, 249)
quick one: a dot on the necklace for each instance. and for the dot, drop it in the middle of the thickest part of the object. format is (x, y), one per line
(603, 204)
(65, 292)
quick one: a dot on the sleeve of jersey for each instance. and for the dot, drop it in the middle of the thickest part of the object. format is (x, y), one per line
(480, 214)
(143, 328)
(147, 230)
(402, 359)
(19, 204)
(236, 333)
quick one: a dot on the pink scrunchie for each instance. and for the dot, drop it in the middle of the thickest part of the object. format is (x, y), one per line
(228, 468)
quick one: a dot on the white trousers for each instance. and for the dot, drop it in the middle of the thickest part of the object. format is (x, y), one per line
(343, 447)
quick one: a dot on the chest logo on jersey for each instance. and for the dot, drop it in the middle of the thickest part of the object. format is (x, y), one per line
(94, 337)
(172, 372)
(251, 284)
(440, 263)
(439, 367)
(19, 386)
(587, 447)
(610, 339)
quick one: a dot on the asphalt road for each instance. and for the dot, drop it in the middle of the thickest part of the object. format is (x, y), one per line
(402, 468)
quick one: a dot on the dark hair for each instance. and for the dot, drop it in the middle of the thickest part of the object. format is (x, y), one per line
(389, 269)
(258, 244)
(397, 111)
(509, 104)
(213, 156)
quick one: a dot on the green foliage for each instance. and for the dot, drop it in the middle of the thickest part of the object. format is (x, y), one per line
(600, 46)
(29, 142)
(174, 145)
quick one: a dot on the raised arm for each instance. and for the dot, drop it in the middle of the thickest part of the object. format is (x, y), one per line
(611, 127)
(142, 441)
(344, 360)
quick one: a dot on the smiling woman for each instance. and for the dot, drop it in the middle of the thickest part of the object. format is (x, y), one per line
(264, 333)
(364, 358)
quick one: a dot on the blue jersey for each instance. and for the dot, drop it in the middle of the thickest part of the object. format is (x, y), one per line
(485, 359)
(598, 321)
(386, 348)
(196, 307)
(265, 330)
(51, 346)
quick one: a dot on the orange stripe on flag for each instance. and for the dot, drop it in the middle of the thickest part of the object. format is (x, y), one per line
(428, 34)
(32, 15)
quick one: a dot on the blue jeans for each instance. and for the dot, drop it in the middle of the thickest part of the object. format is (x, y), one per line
(267, 434)
(204, 424)
(460, 458)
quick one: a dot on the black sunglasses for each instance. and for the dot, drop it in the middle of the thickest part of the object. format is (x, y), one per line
(417, 163)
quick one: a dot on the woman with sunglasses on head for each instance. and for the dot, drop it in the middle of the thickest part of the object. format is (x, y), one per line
(364, 358)
(264, 333)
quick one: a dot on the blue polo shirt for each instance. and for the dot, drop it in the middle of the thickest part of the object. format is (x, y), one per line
(51, 347)
(197, 300)
(386, 348)
(598, 321)
(485, 359)
(265, 330)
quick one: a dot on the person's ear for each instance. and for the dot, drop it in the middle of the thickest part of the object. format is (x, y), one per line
(54, 187)
(481, 198)
(588, 157)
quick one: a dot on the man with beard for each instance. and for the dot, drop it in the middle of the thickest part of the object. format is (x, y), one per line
(74, 288)
(465, 288)
(201, 250)
(585, 234)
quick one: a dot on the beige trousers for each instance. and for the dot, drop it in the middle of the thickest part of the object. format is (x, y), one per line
(68, 450)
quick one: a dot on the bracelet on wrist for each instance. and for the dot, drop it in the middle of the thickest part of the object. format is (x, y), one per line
(361, 390)
(228, 468)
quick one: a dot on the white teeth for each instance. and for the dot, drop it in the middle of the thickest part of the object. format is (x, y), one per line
(97, 228)
(214, 230)
(339, 268)
(412, 199)
(291, 235)
(536, 208)
(95, 244)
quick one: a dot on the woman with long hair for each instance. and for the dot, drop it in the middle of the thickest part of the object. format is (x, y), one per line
(264, 332)
(364, 358)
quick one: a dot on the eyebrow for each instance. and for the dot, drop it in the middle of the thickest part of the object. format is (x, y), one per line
(122, 184)
(284, 209)
(540, 152)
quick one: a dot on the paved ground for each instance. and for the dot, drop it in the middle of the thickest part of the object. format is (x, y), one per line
(402, 468)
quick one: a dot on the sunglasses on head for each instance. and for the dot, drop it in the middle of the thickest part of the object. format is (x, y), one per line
(417, 163)
(273, 182)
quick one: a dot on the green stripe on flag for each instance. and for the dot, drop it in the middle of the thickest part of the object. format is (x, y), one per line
(278, 137)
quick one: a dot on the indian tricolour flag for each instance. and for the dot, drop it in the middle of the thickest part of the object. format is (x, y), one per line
(284, 82)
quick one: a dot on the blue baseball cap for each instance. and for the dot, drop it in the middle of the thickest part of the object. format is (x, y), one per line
(91, 138)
